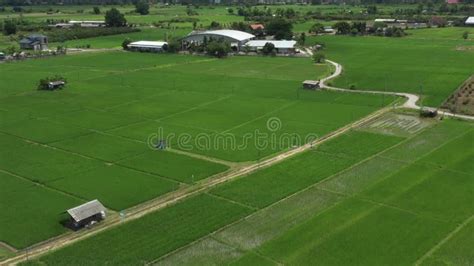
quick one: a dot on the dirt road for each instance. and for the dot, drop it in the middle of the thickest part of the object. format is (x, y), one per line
(411, 102)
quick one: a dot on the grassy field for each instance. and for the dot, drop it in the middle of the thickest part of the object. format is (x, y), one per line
(158, 13)
(92, 139)
(382, 210)
(301, 167)
(155, 234)
(377, 209)
(430, 62)
(27, 208)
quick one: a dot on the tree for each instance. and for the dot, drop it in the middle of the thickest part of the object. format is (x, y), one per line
(302, 39)
(230, 11)
(174, 45)
(218, 48)
(358, 27)
(142, 7)
(113, 18)
(280, 28)
(465, 35)
(319, 57)
(342, 27)
(268, 49)
(372, 10)
(96, 10)
(317, 28)
(215, 25)
(9, 27)
(125, 43)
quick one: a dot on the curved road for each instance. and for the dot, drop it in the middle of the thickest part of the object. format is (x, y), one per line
(411, 102)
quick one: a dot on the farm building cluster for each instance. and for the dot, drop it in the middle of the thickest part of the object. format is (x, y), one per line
(239, 41)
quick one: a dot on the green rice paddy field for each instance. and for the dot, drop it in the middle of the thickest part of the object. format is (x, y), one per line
(429, 62)
(364, 197)
(91, 139)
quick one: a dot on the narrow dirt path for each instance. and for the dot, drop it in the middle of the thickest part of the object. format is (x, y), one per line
(410, 103)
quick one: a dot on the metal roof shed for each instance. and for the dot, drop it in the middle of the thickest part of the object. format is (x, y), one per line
(469, 21)
(86, 213)
(311, 84)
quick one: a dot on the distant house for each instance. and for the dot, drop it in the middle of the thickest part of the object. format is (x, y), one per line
(311, 84)
(148, 46)
(281, 47)
(451, 2)
(385, 20)
(81, 23)
(58, 84)
(2, 56)
(88, 23)
(87, 213)
(37, 42)
(328, 30)
(257, 26)
(469, 21)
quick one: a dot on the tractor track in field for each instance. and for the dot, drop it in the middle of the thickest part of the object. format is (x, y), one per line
(176, 196)
(201, 186)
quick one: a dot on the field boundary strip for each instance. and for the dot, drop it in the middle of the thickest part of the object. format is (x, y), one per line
(444, 240)
(181, 194)
(315, 185)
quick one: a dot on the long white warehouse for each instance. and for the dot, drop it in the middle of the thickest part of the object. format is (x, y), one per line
(282, 47)
(148, 46)
(236, 38)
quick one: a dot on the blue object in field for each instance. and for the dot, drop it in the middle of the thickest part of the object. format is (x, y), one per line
(161, 144)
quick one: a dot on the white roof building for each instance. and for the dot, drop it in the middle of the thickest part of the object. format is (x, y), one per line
(385, 20)
(469, 21)
(87, 22)
(283, 44)
(147, 45)
(87, 210)
(235, 37)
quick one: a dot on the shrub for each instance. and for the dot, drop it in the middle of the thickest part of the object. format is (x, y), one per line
(9, 27)
(44, 83)
(96, 10)
(465, 35)
(268, 49)
(319, 57)
(61, 35)
(218, 49)
(125, 43)
(142, 7)
(113, 18)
